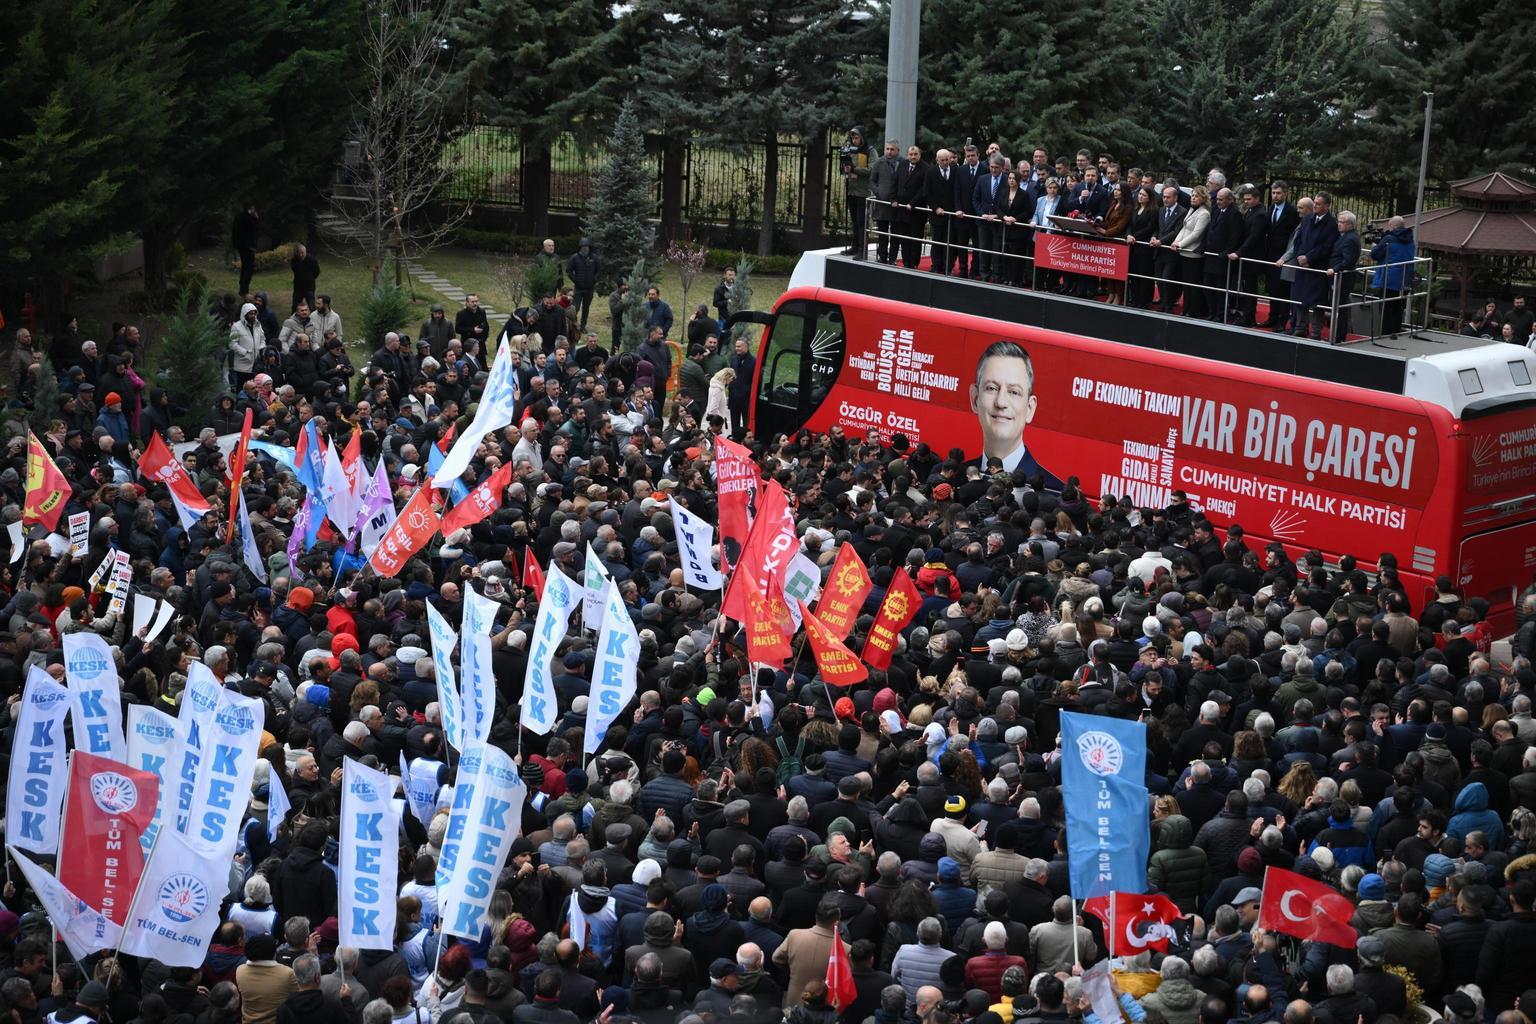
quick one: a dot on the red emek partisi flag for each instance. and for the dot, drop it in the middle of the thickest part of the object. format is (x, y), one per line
(897, 609)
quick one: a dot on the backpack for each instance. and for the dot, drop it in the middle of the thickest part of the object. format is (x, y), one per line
(790, 765)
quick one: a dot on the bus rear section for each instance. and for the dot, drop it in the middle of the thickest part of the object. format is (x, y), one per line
(1302, 461)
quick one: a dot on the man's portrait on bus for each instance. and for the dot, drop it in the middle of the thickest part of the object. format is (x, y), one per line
(1003, 399)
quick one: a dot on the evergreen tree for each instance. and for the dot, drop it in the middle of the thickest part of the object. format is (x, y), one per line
(741, 298)
(734, 73)
(633, 310)
(1252, 86)
(535, 67)
(193, 349)
(43, 403)
(1049, 75)
(89, 89)
(1468, 53)
(619, 210)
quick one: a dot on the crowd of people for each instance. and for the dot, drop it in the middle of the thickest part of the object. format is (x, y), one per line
(1300, 715)
(1204, 251)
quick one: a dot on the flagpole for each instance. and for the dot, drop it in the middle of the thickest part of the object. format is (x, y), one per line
(1113, 935)
(1076, 956)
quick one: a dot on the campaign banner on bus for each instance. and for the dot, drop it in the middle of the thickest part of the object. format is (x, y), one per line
(224, 785)
(1080, 254)
(369, 860)
(35, 790)
(494, 819)
(109, 807)
(98, 709)
(152, 744)
(1292, 459)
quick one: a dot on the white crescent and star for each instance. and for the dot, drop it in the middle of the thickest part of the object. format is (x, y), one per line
(1285, 905)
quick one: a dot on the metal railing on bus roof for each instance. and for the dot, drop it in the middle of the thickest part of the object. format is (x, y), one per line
(1419, 269)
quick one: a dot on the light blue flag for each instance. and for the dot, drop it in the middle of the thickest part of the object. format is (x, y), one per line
(458, 490)
(1104, 788)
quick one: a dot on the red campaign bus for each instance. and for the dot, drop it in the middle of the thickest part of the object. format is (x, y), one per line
(1421, 445)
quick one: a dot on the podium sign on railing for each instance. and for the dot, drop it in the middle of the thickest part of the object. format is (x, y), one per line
(1082, 254)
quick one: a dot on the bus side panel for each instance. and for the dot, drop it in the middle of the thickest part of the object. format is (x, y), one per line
(1331, 467)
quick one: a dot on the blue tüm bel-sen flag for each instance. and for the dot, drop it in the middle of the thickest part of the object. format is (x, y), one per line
(1104, 787)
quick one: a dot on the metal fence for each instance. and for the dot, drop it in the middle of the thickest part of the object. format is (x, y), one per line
(722, 186)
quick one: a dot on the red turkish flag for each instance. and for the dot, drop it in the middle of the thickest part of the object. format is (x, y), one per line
(1296, 905)
(1139, 922)
(841, 989)
(415, 525)
(533, 576)
(896, 610)
(769, 548)
(767, 623)
(484, 499)
(834, 660)
(847, 586)
(47, 490)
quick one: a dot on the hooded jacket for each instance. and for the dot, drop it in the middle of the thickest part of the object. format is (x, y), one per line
(1176, 999)
(926, 867)
(1472, 815)
(1177, 868)
(677, 969)
(246, 339)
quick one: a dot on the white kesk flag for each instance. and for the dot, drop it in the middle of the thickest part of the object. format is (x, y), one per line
(495, 819)
(35, 789)
(152, 747)
(594, 583)
(98, 707)
(176, 910)
(695, 549)
(84, 930)
(458, 812)
(224, 785)
(493, 412)
(278, 806)
(613, 673)
(194, 719)
(370, 858)
(477, 687)
(561, 595)
(443, 642)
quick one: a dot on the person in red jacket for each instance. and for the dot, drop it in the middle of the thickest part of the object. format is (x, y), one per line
(986, 970)
(934, 566)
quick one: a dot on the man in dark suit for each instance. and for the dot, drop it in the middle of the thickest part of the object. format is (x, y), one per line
(942, 178)
(964, 234)
(912, 203)
(1250, 254)
(882, 186)
(1315, 241)
(1003, 399)
(1170, 219)
(1342, 272)
(1221, 241)
(1281, 220)
(1089, 198)
(989, 187)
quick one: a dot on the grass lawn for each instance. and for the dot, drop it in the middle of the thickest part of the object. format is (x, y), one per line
(492, 277)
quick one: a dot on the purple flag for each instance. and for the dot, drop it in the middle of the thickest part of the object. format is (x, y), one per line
(300, 534)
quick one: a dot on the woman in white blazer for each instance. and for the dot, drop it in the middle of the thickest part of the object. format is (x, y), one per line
(719, 395)
(1045, 207)
(1190, 244)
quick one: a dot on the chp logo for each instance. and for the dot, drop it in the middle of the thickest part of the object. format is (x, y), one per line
(1100, 752)
(114, 793)
(183, 898)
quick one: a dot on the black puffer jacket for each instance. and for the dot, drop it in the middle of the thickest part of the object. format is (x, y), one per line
(1178, 868)
(305, 886)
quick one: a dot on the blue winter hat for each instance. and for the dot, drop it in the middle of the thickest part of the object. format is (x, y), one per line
(1372, 887)
(1437, 868)
(949, 868)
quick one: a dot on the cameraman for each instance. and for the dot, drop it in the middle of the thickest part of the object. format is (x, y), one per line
(856, 158)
